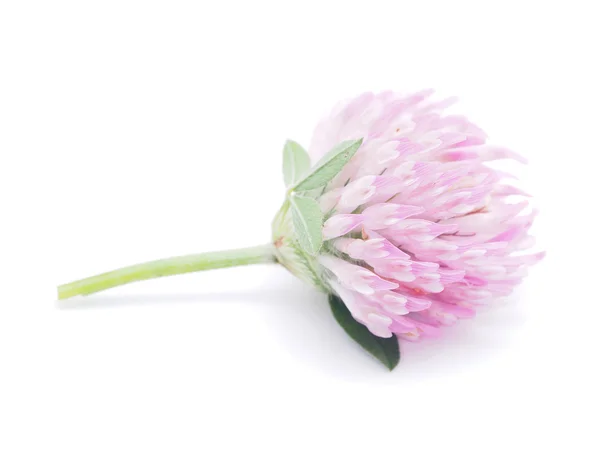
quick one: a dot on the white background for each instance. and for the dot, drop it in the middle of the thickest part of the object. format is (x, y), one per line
(134, 130)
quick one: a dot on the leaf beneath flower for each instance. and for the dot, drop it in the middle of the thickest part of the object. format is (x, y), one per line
(385, 350)
(296, 163)
(308, 223)
(329, 166)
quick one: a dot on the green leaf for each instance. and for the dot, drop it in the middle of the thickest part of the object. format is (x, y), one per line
(308, 223)
(385, 350)
(296, 163)
(329, 166)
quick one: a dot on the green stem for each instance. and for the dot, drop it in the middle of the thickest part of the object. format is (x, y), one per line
(170, 266)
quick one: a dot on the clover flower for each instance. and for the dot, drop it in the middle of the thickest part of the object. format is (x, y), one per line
(401, 220)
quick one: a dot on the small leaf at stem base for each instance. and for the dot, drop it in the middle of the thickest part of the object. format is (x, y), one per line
(329, 166)
(296, 163)
(385, 350)
(308, 223)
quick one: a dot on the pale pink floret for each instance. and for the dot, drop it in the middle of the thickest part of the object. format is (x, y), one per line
(369, 250)
(341, 224)
(356, 277)
(386, 215)
(419, 230)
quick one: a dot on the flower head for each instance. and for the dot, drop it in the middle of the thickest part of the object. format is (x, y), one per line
(417, 228)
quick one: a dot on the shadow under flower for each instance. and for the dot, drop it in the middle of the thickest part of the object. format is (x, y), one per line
(303, 326)
(306, 327)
